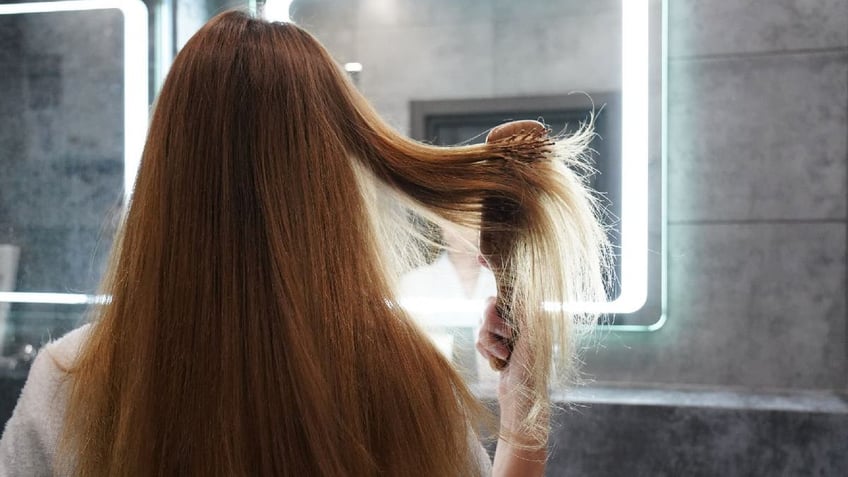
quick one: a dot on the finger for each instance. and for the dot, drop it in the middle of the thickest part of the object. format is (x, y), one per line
(497, 327)
(494, 345)
(483, 351)
(493, 322)
(496, 363)
(498, 351)
(490, 339)
(513, 128)
(483, 262)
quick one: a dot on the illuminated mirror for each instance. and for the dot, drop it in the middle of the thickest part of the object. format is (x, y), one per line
(445, 71)
(73, 115)
(75, 97)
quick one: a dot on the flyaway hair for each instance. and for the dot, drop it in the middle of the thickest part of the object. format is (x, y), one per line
(253, 327)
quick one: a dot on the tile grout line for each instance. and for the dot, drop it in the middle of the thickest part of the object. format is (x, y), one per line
(758, 54)
(758, 221)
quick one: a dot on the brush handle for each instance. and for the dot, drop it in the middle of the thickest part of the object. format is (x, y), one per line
(496, 245)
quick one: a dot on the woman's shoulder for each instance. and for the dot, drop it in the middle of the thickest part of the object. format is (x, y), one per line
(49, 369)
(46, 384)
(62, 352)
(30, 437)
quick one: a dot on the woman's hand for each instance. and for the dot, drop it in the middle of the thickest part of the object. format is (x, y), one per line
(510, 459)
(492, 341)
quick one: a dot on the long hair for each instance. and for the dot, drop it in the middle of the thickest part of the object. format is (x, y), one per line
(252, 327)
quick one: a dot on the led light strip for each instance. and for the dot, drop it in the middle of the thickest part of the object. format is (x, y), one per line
(52, 298)
(634, 166)
(634, 159)
(135, 106)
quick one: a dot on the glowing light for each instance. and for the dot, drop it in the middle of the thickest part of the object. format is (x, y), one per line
(634, 159)
(445, 312)
(353, 67)
(277, 10)
(634, 168)
(53, 298)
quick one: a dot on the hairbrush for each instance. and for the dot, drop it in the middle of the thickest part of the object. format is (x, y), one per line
(497, 237)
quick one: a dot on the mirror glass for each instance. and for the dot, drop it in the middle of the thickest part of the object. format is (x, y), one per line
(68, 121)
(446, 71)
(72, 123)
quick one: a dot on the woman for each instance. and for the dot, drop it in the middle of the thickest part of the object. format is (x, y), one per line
(252, 327)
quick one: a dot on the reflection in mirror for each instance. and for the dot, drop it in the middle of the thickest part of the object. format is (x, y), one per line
(68, 133)
(446, 71)
(73, 113)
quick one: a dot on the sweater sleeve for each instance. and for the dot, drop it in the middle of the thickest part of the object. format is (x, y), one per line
(28, 445)
(480, 453)
(485, 460)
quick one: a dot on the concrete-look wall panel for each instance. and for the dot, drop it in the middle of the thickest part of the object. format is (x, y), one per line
(325, 14)
(49, 264)
(546, 9)
(603, 440)
(545, 47)
(760, 138)
(74, 69)
(702, 27)
(437, 62)
(411, 13)
(753, 305)
(558, 55)
(340, 42)
(65, 190)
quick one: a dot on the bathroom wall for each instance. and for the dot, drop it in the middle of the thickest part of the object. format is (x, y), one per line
(61, 155)
(758, 93)
(758, 96)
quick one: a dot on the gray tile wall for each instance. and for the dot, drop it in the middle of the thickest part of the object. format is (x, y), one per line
(758, 96)
(613, 440)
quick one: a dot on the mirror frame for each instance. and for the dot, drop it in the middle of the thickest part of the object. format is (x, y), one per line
(135, 106)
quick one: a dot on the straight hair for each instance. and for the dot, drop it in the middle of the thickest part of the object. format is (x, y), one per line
(253, 327)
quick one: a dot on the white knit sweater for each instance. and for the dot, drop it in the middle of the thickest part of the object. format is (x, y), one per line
(28, 445)
(29, 440)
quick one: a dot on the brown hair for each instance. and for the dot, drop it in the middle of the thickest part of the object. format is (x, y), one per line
(252, 328)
